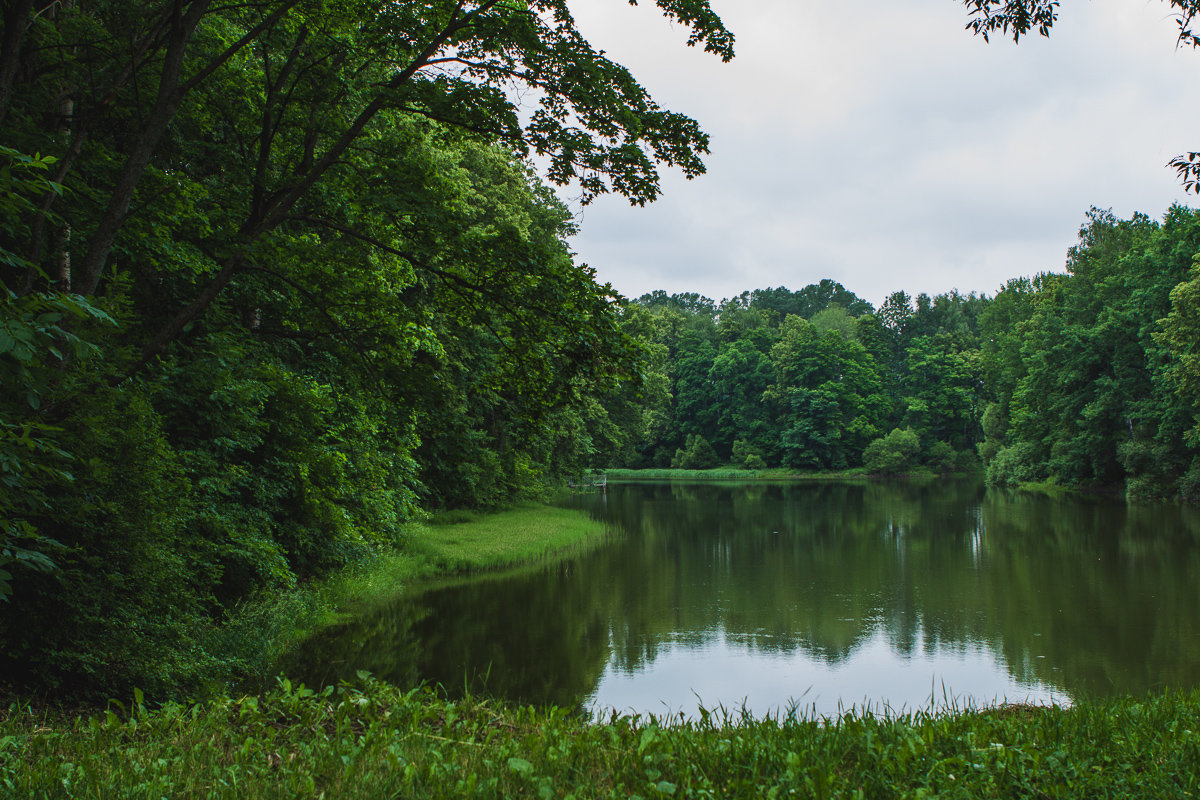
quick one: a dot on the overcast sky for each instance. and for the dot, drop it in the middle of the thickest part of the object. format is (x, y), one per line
(880, 144)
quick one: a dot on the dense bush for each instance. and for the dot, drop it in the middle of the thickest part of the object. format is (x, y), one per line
(1014, 465)
(697, 453)
(893, 453)
(941, 457)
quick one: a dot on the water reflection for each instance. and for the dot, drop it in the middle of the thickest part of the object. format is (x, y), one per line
(834, 594)
(723, 671)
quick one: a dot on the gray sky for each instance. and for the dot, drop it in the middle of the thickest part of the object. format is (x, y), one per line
(880, 144)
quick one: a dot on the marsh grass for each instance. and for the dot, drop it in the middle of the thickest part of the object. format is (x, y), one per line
(372, 740)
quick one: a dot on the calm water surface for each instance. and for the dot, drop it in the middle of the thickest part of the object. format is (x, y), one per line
(823, 596)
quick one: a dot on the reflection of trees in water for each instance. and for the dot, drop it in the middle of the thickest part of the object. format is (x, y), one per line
(1086, 595)
(812, 567)
(383, 643)
(1101, 592)
(533, 638)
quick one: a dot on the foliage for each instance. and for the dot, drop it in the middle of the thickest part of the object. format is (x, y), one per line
(941, 457)
(746, 456)
(769, 387)
(827, 389)
(36, 339)
(1015, 465)
(893, 453)
(1089, 383)
(1084, 378)
(1180, 334)
(1016, 18)
(697, 453)
(369, 739)
(344, 298)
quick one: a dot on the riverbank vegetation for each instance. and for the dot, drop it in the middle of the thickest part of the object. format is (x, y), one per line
(262, 632)
(729, 474)
(373, 740)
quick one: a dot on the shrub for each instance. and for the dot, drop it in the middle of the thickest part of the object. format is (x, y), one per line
(940, 457)
(1189, 484)
(697, 453)
(1016, 464)
(746, 456)
(893, 453)
(965, 461)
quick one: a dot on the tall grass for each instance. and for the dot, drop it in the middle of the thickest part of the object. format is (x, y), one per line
(375, 741)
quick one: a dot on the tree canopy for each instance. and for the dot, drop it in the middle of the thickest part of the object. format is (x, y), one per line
(278, 278)
(1018, 18)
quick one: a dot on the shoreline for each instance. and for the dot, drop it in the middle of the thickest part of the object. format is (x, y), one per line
(370, 740)
(856, 474)
(455, 546)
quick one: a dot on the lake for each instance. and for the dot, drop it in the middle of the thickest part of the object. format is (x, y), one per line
(814, 596)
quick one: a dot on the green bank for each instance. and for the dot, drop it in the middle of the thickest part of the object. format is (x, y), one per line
(372, 740)
(727, 474)
(450, 545)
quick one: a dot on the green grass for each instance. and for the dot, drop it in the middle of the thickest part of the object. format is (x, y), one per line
(504, 539)
(774, 474)
(261, 631)
(729, 474)
(375, 741)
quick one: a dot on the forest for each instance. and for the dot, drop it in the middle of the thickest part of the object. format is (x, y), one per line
(279, 278)
(1086, 378)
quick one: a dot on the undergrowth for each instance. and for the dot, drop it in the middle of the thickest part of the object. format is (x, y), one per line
(372, 740)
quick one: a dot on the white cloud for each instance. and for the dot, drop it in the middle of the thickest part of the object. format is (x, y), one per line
(881, 145)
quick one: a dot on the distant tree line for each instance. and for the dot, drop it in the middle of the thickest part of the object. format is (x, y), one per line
(1089, 378)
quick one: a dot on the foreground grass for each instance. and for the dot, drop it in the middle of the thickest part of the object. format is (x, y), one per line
(263, 630)
(375, 741)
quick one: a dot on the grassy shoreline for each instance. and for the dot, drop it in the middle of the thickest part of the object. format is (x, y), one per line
(372, 740)
(729, 474)
(450, 546)
(776, 475)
